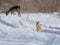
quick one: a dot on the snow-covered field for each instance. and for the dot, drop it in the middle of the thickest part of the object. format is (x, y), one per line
(15, 30)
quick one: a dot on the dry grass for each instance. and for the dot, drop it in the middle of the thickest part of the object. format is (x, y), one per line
(32, 5)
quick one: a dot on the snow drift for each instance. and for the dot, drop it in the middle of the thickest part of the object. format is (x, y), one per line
(15, 30)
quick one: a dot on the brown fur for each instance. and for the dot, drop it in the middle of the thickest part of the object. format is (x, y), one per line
(13, 9)
(38, 27)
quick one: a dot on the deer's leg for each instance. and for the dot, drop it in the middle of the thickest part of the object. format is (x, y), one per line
(6, 13)
(12, 11)
(18, 10)
(19, 13)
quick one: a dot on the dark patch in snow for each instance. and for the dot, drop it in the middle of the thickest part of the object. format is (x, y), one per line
(8, 24)
(2, 34)
(50, 41)
(51, 31)
(54, 27)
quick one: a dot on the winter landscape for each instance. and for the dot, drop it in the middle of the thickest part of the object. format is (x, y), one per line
(15, 30)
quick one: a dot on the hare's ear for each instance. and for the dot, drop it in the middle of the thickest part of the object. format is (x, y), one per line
(37, 22)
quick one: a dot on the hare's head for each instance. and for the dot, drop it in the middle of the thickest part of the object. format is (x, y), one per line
(37, 23)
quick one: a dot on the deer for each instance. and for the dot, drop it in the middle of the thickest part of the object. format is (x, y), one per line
(13, 9)
(38, 27)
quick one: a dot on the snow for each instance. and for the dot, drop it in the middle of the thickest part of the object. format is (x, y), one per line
(15, 30)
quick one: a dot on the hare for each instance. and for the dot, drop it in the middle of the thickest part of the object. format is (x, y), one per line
(38, 27)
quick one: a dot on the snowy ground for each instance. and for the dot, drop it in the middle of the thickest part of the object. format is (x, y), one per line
(15, 30)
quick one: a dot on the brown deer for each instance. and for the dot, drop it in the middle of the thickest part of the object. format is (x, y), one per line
(38, 27)
(13, 9)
